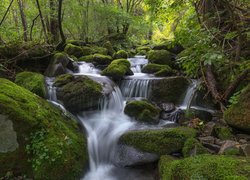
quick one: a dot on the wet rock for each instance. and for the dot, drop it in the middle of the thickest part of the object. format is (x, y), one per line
(245, 149)
(167, 107)
(39, 128)
(170, 89)
(143, 111)
(238, 115)
(74, 50)
(78, 93)
(227, 145)
(158, 70)
(213, 147)
(121, 54)
(163, 141)
(129, 156)
(34, 82)
(163, 57)
(207, 139)
(198, 113)
(208, 129)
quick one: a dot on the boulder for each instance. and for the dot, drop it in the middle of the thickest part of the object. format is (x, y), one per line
(99, 50)
(99, 59)
(238, 114)
(143, 111)
(172, 47)
(109, 47)
(142, 50)
(36, 139)
(74, 50)
(121, 54)
(170, 89)
(208, 129)
(163, 57)
(245, 150)
(58, 65)
(160, 142)
(228, 144)
(223, 132)
(78, 93)
(117, 69)
(88, 58)
(34, 82)
(193, 147)
(158, 70)
(205, 167)
(167, 107)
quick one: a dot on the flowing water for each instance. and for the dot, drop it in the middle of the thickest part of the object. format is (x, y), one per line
(106, 125)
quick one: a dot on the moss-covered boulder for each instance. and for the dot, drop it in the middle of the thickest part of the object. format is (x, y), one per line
(193, 147)
(170, 89)
(117, 69)
(143, 111)
(78, 93)
(58, 65)
(160, 57)
(171, 46)
(88, 58)
(158, 70)
(121, 54)
(36, 139)
(109, 47)
(160, 142)
(34, 82)
(142, 50)
(73, 50)
(223, 133)
(205, 167)
(238, 115)
(97, 59)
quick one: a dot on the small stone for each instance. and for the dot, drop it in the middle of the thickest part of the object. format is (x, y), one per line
(228, 144)
(213, 147)
(207, 139)
(242, 141)
(245, 149)
(219, 142)
(243, 136)
(167, 107)
(208, 129)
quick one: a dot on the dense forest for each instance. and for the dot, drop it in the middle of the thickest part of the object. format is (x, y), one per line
(124, 89)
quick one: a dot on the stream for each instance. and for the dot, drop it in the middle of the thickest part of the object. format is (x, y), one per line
(105, 125)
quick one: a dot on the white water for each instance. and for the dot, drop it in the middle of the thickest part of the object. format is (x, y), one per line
(137, 63)
(189, 95)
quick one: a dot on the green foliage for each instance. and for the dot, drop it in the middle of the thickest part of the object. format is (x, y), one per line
(234, 99)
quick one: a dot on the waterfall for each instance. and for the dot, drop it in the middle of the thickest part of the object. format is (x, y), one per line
(136, 88)
(51, 89)
(189, 95)
(137, 63)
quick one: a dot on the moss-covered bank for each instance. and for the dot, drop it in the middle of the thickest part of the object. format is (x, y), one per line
(50, 145)
(34, 82)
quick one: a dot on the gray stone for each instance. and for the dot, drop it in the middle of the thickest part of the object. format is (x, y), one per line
(212, 147)
(208, 129)
(167, 107)
(245, 149)
(227, 145)
(207, 139)
(8, 137)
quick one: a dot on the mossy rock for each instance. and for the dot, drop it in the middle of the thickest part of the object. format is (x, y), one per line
(238, 114)
(74, 50)
(143, 111)
(171, 89)
(86, 50)
(109, 47)
(193, 147)
(34, 82)
(100, 59)
(88, 59)
(78, 93)
(121, 54)
(223, 133)
(57, 65)
(99, 50)
(160, 142)
(212, 167)
(158, 70)
(143, 48)
(160, 57)
(117, 69)
(49, 144)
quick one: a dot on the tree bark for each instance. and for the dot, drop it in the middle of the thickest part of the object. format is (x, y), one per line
(32, 25)
(42, 21)
(54, 29)
(24, 21)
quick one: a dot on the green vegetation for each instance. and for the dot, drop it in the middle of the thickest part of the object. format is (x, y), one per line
(117, 69)
(47, 139)
(163, 141)
(120, 55)
(142, 111)
(34, 82)
(160, 57)
(205, 167)
(193, 147)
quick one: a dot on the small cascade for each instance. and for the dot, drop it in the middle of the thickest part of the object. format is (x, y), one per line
(189, 95)
(51, 89)
(87, 68)
(136, 88)
(137, 63)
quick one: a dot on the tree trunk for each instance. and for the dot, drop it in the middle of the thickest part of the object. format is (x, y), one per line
(54, 29)
(23, 18)
(63, 38)
(42, 21)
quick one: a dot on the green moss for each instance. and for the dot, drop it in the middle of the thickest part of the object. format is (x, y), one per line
(163, 141)
(78, 93)
(120, 55)
(117, 69)
(88, 59)
(233, 151)
(74, 50)
(143, 111)
(193, 147)
(30, 114)
(158, 70)
(170, 89)
(34, 82)
(160, 57)
(86, 50)
(205, 167)
(109, 47)
(143, 48)
(223, 132)
(238, 114)
(102, 59)
(99, 50)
